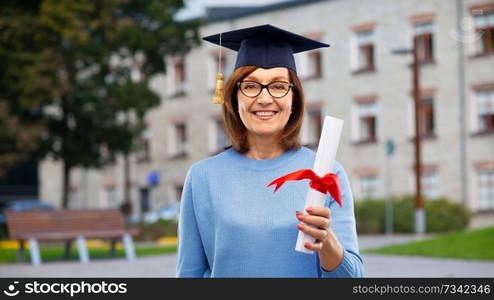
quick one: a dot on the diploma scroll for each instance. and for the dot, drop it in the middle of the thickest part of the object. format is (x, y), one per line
(323, 164)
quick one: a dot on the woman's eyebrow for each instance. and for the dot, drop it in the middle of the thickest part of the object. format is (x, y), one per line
(251, 78)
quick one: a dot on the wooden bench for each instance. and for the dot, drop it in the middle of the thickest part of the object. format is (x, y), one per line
(68, 225)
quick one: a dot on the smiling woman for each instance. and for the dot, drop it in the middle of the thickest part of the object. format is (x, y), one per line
(250, 120)
(230, 224)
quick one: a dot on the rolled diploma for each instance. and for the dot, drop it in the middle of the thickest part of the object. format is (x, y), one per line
(323, 164)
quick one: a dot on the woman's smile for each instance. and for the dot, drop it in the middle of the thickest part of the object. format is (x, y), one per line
(265, 115)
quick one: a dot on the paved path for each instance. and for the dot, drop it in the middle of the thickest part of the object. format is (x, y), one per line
(164, 265)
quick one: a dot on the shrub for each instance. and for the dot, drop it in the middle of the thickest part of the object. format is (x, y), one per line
(153, 231)
(441, 215)
(3, 231)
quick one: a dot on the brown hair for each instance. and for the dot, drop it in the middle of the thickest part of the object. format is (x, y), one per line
(234, 127)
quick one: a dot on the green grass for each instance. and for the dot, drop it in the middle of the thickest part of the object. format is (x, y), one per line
(56, 253)
(470, 245)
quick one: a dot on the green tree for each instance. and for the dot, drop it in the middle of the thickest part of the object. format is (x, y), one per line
(80, 70)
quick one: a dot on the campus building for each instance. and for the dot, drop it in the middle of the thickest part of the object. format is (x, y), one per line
(360, 79)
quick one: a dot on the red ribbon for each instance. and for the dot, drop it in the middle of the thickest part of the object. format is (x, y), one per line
(327, 184)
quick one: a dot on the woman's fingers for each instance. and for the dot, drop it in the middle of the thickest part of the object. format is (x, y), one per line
(314, 220)
(319, 216)
(313, 246)
(320, 222)
(316, 224)
(318, 234)
(321, 211)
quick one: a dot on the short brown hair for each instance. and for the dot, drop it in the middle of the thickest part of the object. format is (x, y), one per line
(234, 127)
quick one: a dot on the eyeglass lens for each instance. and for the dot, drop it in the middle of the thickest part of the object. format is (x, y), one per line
(276, 89)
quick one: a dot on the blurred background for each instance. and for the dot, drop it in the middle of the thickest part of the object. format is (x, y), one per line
(106, 104)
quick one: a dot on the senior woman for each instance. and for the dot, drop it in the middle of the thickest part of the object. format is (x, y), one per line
(231, 224)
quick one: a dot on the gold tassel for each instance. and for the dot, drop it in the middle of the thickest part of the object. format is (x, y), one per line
(218, 92)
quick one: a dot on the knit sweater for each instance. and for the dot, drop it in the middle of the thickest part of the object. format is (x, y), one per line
(232, 225)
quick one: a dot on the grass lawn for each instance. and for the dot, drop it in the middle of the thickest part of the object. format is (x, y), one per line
(472, 245)
(55, 253)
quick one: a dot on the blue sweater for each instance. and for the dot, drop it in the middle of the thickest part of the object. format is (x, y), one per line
(232, 225)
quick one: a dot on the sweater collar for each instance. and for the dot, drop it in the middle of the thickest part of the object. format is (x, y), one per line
(263, 164)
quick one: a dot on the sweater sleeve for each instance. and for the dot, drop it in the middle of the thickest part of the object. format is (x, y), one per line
(191, 257)
(343, 224)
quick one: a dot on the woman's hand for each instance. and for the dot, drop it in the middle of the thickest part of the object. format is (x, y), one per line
(326, 244)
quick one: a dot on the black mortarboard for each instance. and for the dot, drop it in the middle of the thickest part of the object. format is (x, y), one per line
(265, 46)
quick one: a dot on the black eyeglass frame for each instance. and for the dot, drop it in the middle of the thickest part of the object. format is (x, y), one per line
(265, 86)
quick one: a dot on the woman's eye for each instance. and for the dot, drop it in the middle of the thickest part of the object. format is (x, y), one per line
(250, 86)
(279, 87)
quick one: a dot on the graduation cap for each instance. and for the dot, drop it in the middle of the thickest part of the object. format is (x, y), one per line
(264, 46)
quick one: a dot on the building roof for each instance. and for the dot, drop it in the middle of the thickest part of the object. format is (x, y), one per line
(222, 13)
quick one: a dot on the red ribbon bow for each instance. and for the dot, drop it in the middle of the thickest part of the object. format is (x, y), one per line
(327, 184)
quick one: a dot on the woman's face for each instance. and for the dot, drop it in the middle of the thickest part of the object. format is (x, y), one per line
(265, 115)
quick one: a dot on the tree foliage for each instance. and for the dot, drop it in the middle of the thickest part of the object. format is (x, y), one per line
(75, 74)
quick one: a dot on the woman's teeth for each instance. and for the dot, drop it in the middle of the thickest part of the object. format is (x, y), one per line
(264, 113)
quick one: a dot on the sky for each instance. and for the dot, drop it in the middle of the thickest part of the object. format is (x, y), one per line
(196, 8)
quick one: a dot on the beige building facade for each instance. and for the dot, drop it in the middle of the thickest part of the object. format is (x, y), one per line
(357, 79)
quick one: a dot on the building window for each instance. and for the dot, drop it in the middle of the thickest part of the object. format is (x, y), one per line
(218, 138)
(365, 51)
(143, 151)
(214, 65)
(366, 123)
(485, 108)
(426, 117)
(486, 189)
(174, 191)
(424, 33)
(178, 140)
(178, 192)
(430, 184)
(309, 65)
(369, 185)
(314, 65)
(176, 77)
(181, 138)
(75, 197)
(144, 199)
(484, 24)
(314, 124)
(111, 196)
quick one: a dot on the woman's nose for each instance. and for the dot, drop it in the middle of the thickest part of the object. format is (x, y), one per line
(264, 97)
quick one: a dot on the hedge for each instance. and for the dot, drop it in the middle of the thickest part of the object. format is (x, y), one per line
(154, 231)
(441, 215)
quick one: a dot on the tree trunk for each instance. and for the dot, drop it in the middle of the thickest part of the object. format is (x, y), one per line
(66, 165)
(66, 185)
(127, 204)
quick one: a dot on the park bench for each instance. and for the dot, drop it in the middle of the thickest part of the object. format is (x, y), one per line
(68, 225)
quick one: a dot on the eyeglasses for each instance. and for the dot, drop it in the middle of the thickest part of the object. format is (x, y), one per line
(252, 89)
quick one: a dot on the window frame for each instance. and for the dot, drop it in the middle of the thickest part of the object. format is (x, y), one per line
(478, 128)
(368, 50)
(374, 184)
(424, 39)
(177, 148)
(486, 34)
(363, 54)
(490, 181)
(314, 109)
(370, 122)
(427, 115)
(176, 77)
